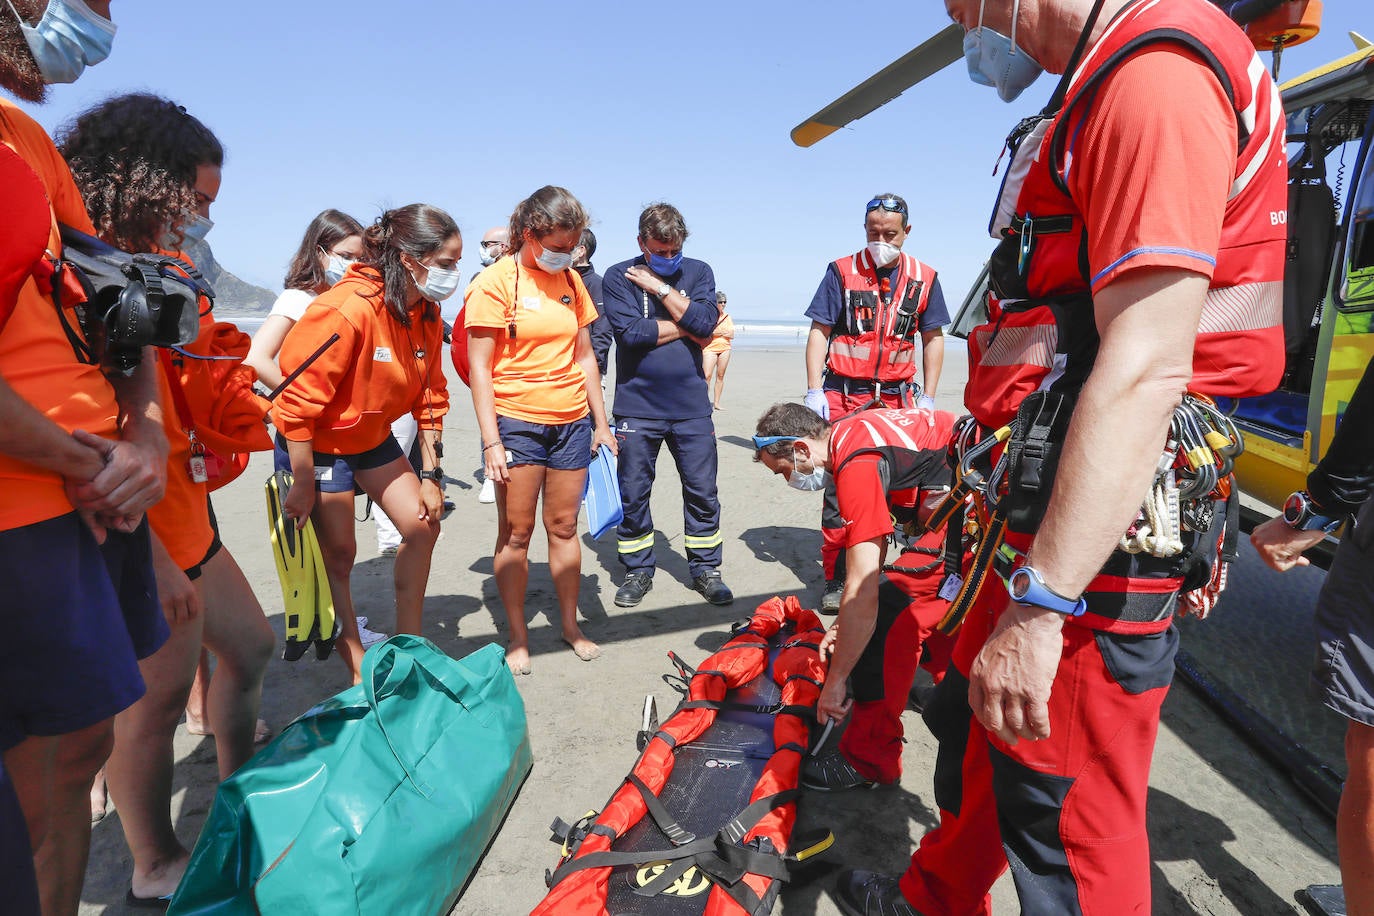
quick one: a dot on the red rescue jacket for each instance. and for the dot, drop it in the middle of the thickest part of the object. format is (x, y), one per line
(1041, 332)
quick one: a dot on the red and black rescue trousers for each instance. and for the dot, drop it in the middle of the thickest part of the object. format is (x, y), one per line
(843, 401)
(904, 637)
(1066, 813)
(692, 443)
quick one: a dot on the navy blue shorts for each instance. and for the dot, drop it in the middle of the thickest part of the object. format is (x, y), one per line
(1344, 671)
(77, 618)
(562, 447)
(334, 473)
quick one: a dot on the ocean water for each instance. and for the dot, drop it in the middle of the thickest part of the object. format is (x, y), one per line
(761, 334)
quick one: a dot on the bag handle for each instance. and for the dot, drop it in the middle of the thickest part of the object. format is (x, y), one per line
(403, 656)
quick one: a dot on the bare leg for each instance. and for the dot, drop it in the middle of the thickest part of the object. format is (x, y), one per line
(333, 519)
(708, 371)
(562, 496)
(52, 776)
(236, 629)
(196, 715)
(515, 504)
(722, 362)
(396, 489)
(140, 767)
(1355, 821)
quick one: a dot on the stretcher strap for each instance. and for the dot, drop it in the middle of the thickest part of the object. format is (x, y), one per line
(661, 815)
(722, 705)
(705, 852)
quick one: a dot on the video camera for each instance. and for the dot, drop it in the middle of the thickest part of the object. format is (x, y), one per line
(132, 301)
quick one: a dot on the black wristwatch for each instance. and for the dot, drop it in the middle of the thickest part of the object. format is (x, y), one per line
(1302, 514)
(436, 475)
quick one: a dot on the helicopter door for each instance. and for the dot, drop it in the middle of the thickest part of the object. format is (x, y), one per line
(974, 311)
(1311, 236)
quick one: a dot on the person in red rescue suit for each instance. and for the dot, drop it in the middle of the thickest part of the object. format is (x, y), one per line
(1142, 228)
(869, 310)
(885, 465)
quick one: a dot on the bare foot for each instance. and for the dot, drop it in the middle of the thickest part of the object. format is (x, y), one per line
(161, 880)
(518, 660)
(584, 648)
(99, 797)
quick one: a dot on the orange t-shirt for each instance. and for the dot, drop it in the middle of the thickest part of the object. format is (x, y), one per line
(534, 375)
(375, 373)
(36, 359)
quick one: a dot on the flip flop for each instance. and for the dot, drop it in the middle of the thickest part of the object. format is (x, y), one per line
(147, 903)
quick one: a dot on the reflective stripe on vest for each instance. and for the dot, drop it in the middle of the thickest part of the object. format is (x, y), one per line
(878, 353)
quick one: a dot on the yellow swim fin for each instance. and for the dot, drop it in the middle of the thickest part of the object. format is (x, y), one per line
(295, 569)
(327, 626)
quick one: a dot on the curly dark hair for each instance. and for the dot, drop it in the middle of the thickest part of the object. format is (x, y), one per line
(134, 158)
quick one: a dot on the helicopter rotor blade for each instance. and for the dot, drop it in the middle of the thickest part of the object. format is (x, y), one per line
(931, 56)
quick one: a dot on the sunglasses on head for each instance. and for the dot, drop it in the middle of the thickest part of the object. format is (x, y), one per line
(890, 204)
(765, 441)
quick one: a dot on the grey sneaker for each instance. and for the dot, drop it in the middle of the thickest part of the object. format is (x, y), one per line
(830, 598)
(832, 773)
(867, 893)
(713, 588)
(637, 585)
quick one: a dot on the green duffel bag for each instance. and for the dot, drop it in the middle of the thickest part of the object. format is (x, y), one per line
(377, 801)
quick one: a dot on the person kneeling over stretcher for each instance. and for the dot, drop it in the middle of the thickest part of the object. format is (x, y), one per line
(888, 466)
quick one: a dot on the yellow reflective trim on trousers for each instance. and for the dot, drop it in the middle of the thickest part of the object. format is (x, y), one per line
(634, 545)
(703, 541)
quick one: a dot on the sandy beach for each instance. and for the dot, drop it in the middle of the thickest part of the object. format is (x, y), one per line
(1230, 834)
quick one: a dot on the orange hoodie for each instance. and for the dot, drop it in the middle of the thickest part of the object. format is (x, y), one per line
(374, 374)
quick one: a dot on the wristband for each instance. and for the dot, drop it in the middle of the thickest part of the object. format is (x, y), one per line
(491, 445)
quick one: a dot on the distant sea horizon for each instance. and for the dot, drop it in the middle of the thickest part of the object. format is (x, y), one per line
(750, 333)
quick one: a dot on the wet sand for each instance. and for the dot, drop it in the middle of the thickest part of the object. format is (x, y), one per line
(1230, 834)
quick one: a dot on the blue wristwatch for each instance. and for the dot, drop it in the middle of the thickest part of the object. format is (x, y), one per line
(1028, 588)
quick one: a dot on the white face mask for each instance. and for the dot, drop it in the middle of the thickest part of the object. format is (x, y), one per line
(808, 483)
(489, 254)
(553, 261)
(883, 253)
(440, 283)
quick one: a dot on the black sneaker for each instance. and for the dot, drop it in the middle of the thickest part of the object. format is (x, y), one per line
(712, 588)
(867, 893)
(830, 598)
(637, 585)
(832, 773)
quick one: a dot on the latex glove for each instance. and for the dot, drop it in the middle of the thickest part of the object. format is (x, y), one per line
(925, 402)
(815, 399)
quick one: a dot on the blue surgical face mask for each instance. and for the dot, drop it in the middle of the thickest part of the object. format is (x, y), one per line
(553, 261)
(993, 59)
(335, 268)
(664, 267)
(440, 283)
(196, 229)
(67, 39)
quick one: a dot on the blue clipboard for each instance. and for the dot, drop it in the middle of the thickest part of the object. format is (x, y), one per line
(602, 494)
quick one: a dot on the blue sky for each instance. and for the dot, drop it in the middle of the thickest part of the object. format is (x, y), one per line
(470, 106)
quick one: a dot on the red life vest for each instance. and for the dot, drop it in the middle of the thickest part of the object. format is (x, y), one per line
(874, 340)
(913, 448)
(1041, 332)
